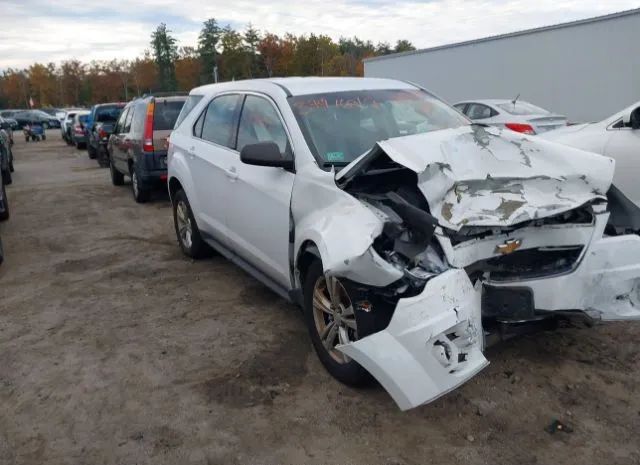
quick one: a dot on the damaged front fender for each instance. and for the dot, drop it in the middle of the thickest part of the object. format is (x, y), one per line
(432, 345)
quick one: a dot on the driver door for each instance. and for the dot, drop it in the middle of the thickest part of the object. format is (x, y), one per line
(258, 216)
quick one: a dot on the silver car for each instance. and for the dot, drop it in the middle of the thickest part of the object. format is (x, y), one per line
(517, 115)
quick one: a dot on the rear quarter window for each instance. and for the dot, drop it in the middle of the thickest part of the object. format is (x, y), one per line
(165, 114)
(189, 104)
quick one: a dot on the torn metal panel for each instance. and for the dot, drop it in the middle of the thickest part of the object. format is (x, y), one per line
(477, 176)
(432, 345)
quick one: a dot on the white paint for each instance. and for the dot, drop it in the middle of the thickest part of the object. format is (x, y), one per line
(608, 137)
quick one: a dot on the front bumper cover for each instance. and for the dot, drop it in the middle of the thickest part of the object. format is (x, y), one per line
(434, 340)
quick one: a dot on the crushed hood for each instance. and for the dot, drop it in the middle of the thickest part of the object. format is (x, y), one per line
(483, 176)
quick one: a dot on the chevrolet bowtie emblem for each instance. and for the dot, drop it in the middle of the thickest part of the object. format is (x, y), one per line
(509, 246)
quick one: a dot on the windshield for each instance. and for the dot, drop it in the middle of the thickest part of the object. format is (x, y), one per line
(341, 126)
(522, 108)
(83, 118)
(108, 114)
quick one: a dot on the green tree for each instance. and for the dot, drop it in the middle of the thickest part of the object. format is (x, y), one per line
(165, 52)
(403, 46)
(252, 40)
(235, 63)
(207, 49)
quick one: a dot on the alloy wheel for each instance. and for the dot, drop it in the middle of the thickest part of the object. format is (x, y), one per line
(334, 316)
(184, 224)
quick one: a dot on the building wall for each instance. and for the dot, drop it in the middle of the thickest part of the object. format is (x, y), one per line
(586, 71)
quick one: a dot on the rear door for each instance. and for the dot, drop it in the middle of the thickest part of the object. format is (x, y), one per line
(258, 217)
(210, 157)
(116, 143)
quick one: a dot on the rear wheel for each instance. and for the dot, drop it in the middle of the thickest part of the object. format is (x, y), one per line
(187, 231)
(331, 321)
(141, 192)
(44, 137)
(4, 205)
(6, 177)
(103, 157)
(91, 151)
(117, 178)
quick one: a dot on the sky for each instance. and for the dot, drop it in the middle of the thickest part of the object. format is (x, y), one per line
(56, 30)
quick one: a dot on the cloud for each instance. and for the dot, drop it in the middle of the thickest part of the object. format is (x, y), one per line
(45, 31)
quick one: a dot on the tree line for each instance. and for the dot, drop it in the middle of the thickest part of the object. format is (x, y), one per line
(221, 54)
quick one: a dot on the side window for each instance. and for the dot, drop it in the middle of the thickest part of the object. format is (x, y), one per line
(127, 121)
(197, 127)
(120, 124)
(137, 123)
(460, 107)
(259, 122)
(478, 111)
(220, 120)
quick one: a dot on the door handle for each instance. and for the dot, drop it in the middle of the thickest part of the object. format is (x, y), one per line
(232, 173)
(192, 151)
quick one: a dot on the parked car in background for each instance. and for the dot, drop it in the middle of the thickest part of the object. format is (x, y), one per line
(7, 127)
(51, 112)
(102, 118)
(411, 236)
(36, 116)
(12, 122)
(518, 115)
(9, 113)
(618, 137)
(6, 156)
(78, 133)
(65, 125)
(138, 146)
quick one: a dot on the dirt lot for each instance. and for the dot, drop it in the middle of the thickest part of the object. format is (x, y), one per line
(114, 348)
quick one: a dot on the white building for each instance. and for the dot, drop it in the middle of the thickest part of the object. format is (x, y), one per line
(585, 69)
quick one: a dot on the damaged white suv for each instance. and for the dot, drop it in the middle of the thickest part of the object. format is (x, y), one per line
(410, 236)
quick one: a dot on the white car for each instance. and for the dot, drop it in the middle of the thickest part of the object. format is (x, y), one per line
(411, 237)
(617, 137)
(518, 115)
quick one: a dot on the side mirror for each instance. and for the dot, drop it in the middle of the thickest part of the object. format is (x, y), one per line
(265, 154)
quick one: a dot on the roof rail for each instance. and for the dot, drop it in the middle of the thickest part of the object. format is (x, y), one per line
(177, 93)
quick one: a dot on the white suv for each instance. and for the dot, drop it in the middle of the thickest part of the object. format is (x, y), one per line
(410, 236)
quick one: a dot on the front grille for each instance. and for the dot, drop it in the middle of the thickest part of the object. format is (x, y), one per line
(529, 264)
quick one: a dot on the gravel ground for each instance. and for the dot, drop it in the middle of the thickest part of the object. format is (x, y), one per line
(116, 349)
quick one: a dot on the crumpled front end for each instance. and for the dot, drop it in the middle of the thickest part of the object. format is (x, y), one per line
(459, 229)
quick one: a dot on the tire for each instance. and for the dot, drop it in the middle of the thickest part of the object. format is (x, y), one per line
(44, 137)
(33, 138)
(26, 139)
(91, 151)
(141, 192)
(6, 178)
(103, 158)
(342, 368)
(195, 247)
(117, 178)
(11, 168)
(5, 214)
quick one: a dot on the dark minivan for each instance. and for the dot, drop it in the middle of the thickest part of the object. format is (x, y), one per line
(138, 145)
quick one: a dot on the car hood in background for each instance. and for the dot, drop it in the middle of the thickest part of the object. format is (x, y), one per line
(481, 176)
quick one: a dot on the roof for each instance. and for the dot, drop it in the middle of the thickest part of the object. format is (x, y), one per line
(536, 30)
(306, 85)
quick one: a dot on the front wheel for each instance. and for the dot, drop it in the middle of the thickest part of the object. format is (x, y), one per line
(187, 231)
(330, 318)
